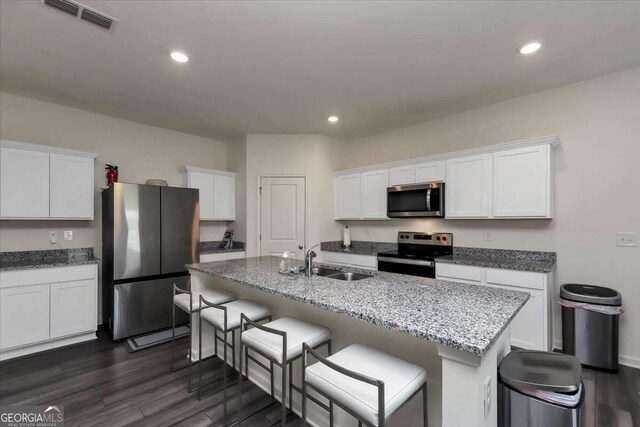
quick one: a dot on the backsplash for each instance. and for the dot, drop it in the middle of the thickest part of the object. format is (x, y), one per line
(214, 244)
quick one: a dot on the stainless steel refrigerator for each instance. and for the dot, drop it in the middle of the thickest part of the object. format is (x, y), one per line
(149, 234)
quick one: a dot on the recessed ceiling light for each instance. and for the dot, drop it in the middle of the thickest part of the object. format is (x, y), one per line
(529, 48)
(178, 56)
(333, 119)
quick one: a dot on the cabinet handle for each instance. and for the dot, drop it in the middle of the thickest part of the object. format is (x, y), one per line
(429, 200)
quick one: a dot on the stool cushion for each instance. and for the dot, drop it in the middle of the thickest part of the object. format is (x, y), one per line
(213, 296)
(250, 309)
(401, 379)
(298, 331)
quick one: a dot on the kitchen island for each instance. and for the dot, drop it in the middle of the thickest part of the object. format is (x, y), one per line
(458, 332)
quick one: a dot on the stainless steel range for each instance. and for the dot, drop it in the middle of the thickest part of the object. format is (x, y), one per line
(416, 253)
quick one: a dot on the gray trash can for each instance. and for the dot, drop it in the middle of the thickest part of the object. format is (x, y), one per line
(590, 324)
(539, 389)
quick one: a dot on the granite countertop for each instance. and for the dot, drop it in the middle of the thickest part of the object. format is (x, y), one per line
(534, 261)
(213, 247)
(465, 317)
(29, 260)
(359, 247)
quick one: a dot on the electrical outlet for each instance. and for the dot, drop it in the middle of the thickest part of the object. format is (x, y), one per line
(68, 235)
(53, 237)
(487, 397)
(629, 239)
(488, 236)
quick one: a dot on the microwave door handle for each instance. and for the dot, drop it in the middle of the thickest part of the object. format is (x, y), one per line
(429, 200)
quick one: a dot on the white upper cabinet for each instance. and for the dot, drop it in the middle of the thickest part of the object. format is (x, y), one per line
(468, 187)
(522, 183)
(347, 196)
(431, 171)
(374, 194)
(217, 192)
(38, 181)
(402, 175)
(204, 183)
(224, 197)
(24, 182)
(508, 180)
(70, 186)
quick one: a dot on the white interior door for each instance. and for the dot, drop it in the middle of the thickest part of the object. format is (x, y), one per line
(282, 216)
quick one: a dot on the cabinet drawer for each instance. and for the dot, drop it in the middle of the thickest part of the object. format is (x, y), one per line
(337, 258)
(519, 279)
(366, 261)
(463, 272)
(10, 279)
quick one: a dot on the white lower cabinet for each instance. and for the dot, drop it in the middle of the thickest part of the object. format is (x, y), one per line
(352, 260)
(71, 308)
(24, 315)
(532, 327)
(41, 309)
(222, 256)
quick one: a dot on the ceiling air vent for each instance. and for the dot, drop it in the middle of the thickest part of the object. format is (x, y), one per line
(64, 5)
(96, 18)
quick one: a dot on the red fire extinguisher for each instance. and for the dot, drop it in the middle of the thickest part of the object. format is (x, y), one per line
(112, 174)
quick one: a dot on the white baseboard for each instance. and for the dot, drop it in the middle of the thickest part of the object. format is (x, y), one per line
(47, 345)
(633, 362)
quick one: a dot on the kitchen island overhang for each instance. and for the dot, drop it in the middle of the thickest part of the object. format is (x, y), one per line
(459, 332)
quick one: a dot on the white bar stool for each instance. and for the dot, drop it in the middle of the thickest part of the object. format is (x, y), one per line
(190, 303)
(226, 318)
(280, 342)
(366, 383)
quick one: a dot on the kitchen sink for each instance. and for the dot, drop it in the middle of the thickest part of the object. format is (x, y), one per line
(339, 275)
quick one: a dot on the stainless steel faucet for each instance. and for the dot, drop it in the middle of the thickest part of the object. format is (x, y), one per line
(308, 261)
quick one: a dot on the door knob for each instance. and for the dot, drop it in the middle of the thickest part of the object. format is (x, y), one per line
(300, 247)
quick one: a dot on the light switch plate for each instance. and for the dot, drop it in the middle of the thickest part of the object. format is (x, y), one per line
(53, 237)
(488, 236)
(68, 235)
(628, 239)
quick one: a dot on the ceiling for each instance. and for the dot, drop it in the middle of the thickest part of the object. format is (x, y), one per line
(284, 67)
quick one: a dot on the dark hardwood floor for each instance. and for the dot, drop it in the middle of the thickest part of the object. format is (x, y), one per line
(100, 384)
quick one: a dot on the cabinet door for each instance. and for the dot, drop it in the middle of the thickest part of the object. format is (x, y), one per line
(24, 315)
(347, 196)
(468, 190)
(374, 194)
(71, 186)
(24, 183)
(522, 182)
(427, 172)
(527, 328)
(73, 307)
(204, 183)
(224, 197)
(402, 175)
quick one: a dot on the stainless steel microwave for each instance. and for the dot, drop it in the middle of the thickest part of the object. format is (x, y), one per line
(416, 200)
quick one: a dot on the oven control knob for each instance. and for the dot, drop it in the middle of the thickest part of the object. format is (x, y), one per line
(438, 238)
(444, 239)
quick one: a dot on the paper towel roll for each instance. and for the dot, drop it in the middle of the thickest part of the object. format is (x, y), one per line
(346, 236)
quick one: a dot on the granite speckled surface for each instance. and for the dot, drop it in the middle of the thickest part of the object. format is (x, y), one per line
(27, 260)
(211, 247)
(464, 317)
(359, 247)
(534, 261)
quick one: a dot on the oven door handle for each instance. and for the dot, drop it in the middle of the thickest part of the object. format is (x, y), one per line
(429, 200)
(406, 261)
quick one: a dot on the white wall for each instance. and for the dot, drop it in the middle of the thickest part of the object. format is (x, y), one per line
(282, 155)
(597, 183)
(140, 151)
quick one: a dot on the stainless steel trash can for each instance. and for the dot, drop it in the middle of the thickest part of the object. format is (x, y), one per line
(590, 335)
(539, 389)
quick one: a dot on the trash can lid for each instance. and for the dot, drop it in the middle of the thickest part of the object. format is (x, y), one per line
(590, 294)
(541, 370)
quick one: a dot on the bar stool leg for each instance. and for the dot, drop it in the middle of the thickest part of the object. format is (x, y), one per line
(224, 373)
(173, 335)
(190, 348)
(425, 412)
(284, 391)
(199, 358)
